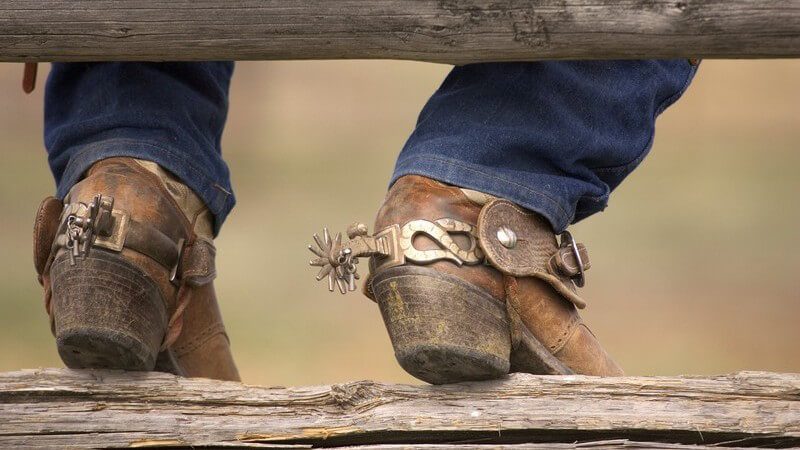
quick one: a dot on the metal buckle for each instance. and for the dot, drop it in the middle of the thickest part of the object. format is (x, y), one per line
(115, 240)
(568, 241)
(173, 274)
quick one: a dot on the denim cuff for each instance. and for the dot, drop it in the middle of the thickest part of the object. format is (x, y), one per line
(555, 137)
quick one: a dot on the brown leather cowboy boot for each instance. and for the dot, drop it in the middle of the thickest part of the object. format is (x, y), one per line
(470, 286)
(127, 263)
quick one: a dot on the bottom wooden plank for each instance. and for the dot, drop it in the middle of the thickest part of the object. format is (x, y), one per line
(65, 408)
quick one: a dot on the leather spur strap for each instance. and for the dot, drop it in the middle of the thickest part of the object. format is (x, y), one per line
(99, 224)
(29, 77)
(520, 243)
(513, 240)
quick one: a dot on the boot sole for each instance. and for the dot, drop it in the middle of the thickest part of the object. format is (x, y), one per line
(443, 329)
(108, 314)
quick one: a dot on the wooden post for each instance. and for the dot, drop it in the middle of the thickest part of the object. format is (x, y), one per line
(448, 31)
(62, 408)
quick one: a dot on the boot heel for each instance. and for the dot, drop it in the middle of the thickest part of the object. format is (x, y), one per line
(443, 329)
(107, 313)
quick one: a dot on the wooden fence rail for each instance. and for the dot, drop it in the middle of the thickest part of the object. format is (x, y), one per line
(63, 408)
(450, 31)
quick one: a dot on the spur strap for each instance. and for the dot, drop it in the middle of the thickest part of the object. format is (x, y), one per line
(98, 224)
(513, 240)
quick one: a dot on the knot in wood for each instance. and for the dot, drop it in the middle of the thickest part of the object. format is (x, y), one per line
(358, 394)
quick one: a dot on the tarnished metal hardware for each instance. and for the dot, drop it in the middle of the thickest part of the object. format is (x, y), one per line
(507, 237)
(337, 261)
(115, 237)
(84, 223)
(173, 273)
(440, 231)
(391, 246)
(568, 241)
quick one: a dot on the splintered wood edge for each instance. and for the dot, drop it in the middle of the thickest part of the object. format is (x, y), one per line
(61, 407)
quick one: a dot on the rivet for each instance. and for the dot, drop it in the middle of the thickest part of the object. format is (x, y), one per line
(507, 237)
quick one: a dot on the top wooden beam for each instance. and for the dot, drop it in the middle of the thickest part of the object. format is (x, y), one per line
(447, 31)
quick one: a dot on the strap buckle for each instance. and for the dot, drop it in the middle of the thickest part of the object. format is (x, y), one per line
(113, 238)
(568, 241)
(173, 273)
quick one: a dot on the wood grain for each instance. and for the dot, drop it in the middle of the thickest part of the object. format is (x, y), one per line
(447, 31)
(63, 408)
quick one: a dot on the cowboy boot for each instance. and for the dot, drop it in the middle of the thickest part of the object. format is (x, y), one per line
(127, 264)
(470, 286)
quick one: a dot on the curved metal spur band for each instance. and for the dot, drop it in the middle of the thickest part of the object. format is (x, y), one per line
(392, 246)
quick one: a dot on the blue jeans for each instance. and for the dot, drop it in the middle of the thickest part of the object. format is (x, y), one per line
(554, 137)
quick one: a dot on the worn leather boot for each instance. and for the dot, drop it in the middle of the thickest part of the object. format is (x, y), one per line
(127, 264)
(470, 286)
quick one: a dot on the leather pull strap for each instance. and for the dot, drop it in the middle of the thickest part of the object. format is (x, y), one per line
(29, 77)
(45, 227)
(521, 243)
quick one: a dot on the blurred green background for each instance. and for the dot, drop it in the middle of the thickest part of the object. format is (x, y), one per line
(694, 264)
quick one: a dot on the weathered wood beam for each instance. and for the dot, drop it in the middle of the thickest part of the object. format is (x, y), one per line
(59, 407)
(450, 31)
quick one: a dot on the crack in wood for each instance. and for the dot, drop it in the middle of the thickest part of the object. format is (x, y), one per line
(57, 407)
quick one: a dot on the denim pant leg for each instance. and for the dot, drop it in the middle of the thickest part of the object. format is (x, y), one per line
(169, 113)
(554, 137)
